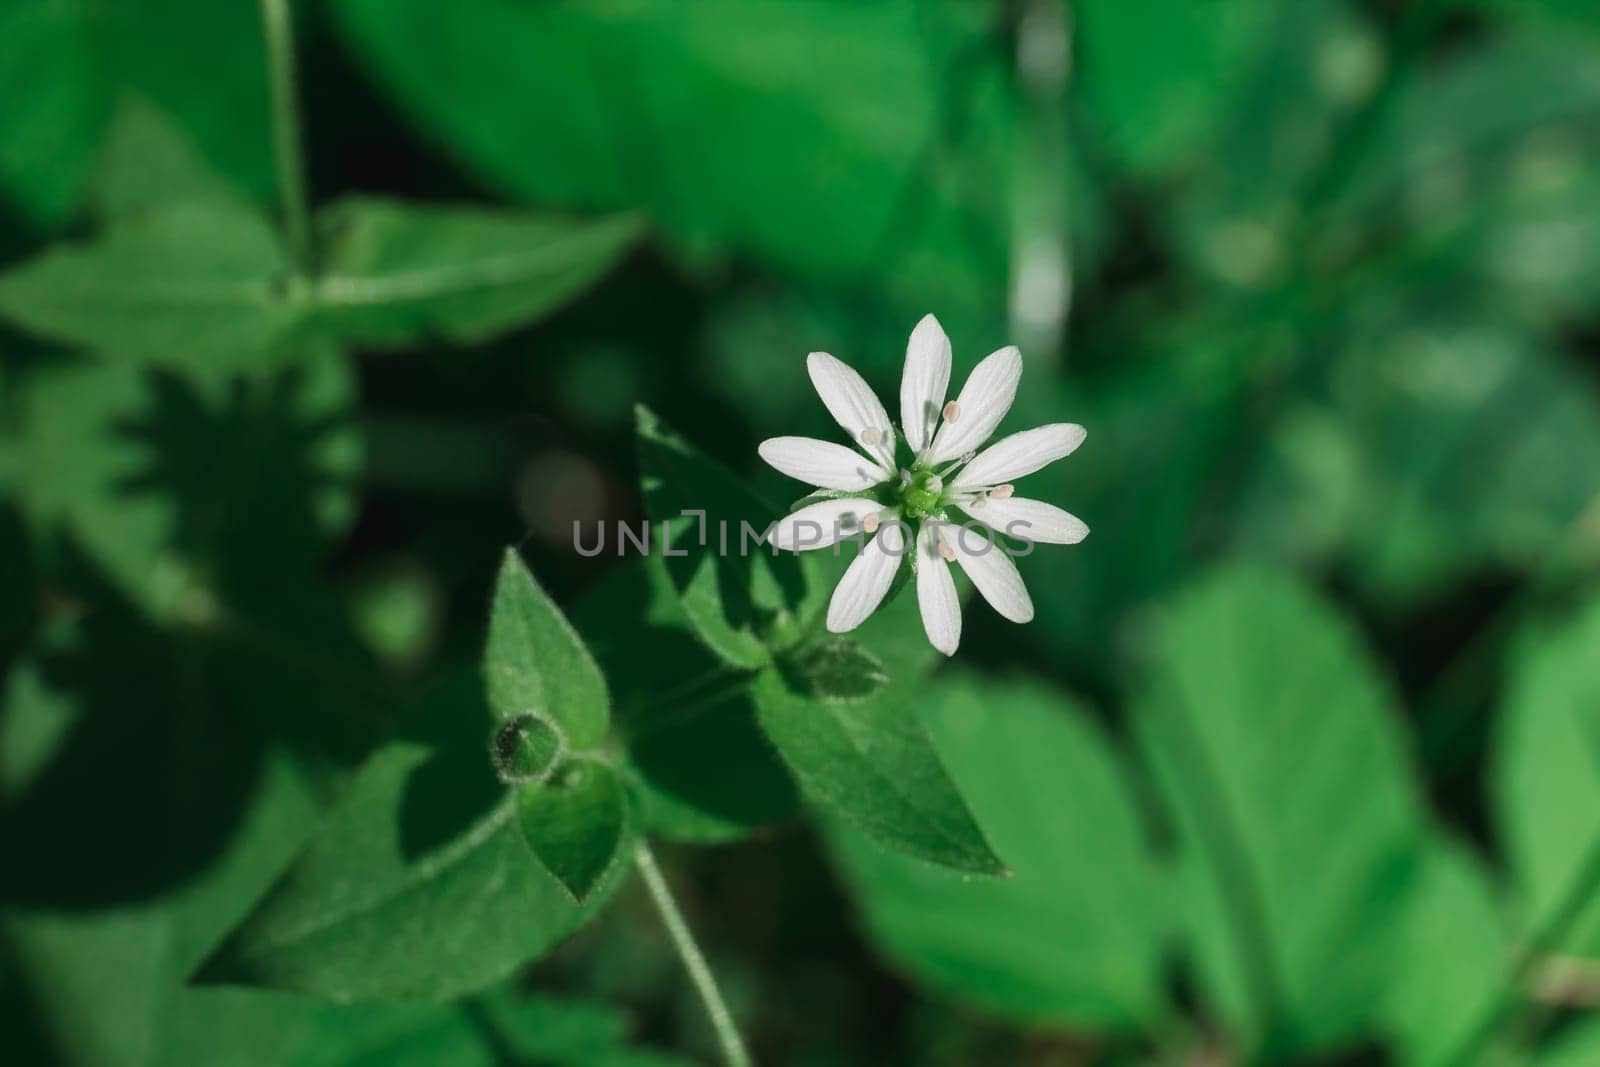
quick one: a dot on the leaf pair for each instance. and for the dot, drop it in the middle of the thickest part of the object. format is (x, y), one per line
(208, 281)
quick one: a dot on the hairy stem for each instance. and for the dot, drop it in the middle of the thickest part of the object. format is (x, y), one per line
(278, 27)
(733, 1050)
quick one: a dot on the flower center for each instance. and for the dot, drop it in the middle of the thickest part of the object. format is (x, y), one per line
(921, 495)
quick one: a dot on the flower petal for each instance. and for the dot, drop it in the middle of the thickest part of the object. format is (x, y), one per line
(1028, 520)
(854, 405)
(989, 566)
(1021, 453)
(922, 386)
(984, 401)
(936, 594)
(821, 463)
(867, 579)
(822, 524)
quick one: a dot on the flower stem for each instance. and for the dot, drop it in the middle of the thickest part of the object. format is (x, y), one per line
(278, 26)
(733, 1050)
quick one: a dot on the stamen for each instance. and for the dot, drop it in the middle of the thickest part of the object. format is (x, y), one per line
(935, 484)
(1002, 492)
(947, 552)
(870, 523)
(975, 502)
(871, 436)
(905, 478)
(952, 411)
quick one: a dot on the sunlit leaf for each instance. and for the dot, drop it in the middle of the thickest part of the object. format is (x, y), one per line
(1546, 779)
(1453, 958)
(196, 283)
(824, 116)
(1279, 759)
(1061, 940)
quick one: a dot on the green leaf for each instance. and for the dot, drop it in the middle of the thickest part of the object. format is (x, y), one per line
(418, 885)
(1546, 785)
(825, 117)
(186, 488)
(67, 64)
(870, 763)
(1062, 941)
(1577, 1046)
(834, 669)
(744, 599)
(395, 273)
(1452, 959)
(148, 161)
(698, 766)
(51, 107)
(1159, 75)
(575, 822)
(536, 662)
(196, 283)
(1277, 753)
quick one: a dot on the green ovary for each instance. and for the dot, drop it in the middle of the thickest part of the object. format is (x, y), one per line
(922, 498)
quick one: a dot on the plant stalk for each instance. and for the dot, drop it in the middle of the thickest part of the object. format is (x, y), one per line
(277, 25)
(733, 1051)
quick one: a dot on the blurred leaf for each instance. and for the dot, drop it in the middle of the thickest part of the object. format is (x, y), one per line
(205, 281)
(1157, 76)
(1451, 960)
(698, 764)
(50, 106)
(1478, 186)
(743, 599)
(848, 140)
(1437, 452)
(575, 822)
(1577, 1046)
(1275, 747)
(1062, 940)
(148, 161)
(536, 662)
(67, 62)
(1546, 779)
(180, 486)
(395, 273)
(870, 763)
(419, 884)
(192, 284)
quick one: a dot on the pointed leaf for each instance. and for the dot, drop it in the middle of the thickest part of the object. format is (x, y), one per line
(575, 822)
(419, 884)
(1277, 753)
(1062, 940)
(1453, 958)
(870, 763)
(1546, 777)
(744, 599)
(536, 662)
(193, 283)
(396, 273)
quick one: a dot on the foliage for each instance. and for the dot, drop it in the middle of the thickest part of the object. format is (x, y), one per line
(327, 737)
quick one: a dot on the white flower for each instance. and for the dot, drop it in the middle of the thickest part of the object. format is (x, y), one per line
(907, 509)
